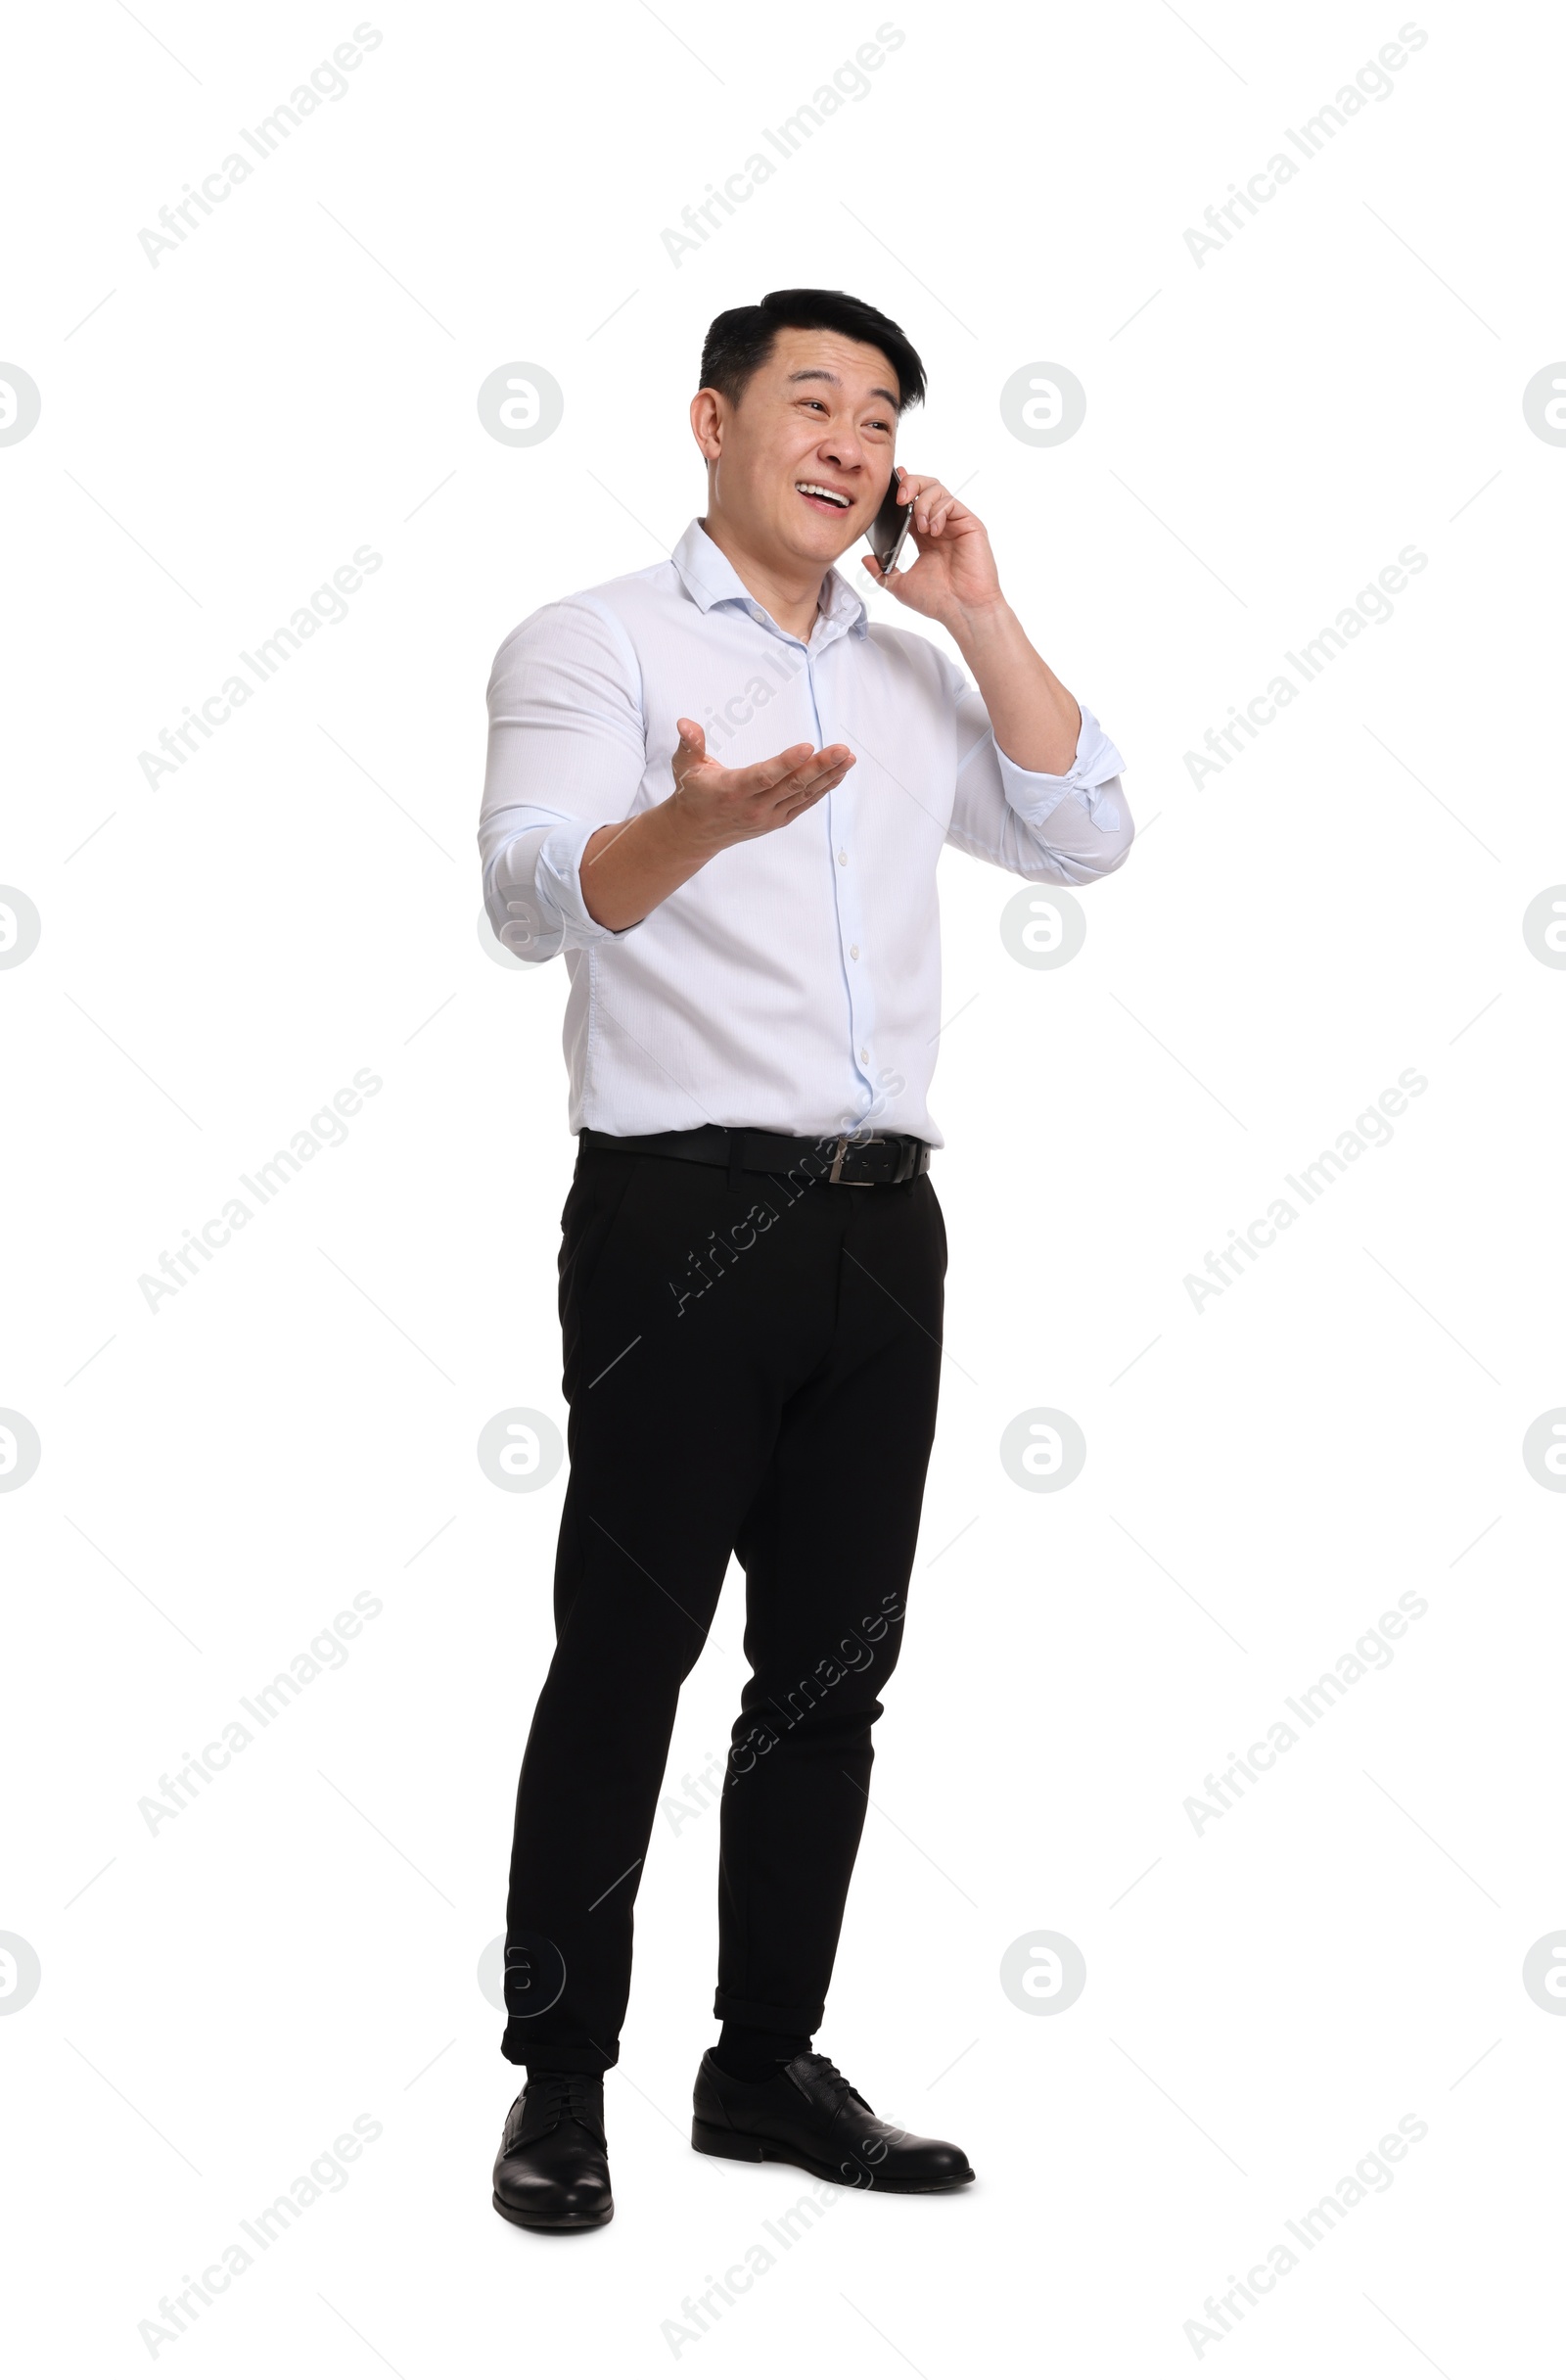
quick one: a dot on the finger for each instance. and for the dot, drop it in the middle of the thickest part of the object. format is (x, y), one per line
(891, 581)
(820, 779)
(805, 763)
(766, 783)
(806, 802)
(765, 777)
(823, 764)
(931, 497)
(804, 795)
(807, 785)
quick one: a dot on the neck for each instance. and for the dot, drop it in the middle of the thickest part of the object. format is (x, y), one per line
(790, 593)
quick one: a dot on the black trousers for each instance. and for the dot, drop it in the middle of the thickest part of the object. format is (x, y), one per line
(752, 1365)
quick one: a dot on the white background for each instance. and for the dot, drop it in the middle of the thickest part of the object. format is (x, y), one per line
(220, 952)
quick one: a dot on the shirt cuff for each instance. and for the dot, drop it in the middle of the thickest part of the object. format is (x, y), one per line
(1032, 794)
(538, 894)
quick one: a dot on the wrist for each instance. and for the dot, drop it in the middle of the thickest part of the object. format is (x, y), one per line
(986, 622)
(687, 835)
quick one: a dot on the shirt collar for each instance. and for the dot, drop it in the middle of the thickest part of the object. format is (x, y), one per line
(710, 578)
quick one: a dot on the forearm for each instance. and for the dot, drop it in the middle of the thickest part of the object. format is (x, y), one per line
(1034, 717)
(627, 869)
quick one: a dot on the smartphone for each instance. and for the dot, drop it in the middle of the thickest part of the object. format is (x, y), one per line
(887, 531)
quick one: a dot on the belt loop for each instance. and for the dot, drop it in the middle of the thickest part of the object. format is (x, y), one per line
(736, 1158)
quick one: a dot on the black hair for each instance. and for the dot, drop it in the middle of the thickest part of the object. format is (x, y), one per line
(739, 343)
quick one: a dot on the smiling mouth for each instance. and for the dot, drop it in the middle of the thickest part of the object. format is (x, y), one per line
(825, 499)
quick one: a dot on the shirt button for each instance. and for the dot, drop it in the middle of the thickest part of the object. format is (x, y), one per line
(843, 859)
(865, 1055)
(853, 950)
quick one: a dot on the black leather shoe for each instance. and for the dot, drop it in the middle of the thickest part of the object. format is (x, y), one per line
(810, 2115)
(552, 2173)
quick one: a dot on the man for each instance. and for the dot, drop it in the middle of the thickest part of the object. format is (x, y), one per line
(722, 792)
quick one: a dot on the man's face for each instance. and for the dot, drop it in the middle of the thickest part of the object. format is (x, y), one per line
(805, 457)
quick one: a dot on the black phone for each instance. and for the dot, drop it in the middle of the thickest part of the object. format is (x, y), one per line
(887, 531)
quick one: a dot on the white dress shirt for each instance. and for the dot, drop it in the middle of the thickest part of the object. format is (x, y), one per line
(793, 982)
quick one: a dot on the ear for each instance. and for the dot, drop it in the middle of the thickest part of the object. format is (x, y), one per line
(706, 421)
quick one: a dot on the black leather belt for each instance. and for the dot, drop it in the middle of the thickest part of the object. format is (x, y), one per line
(851, 1161)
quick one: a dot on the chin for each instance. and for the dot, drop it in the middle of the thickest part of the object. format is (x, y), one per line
(823, 539)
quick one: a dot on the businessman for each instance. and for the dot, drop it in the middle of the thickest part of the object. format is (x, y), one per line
(721, 790)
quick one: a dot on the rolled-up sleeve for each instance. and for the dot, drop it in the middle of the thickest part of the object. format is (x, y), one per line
(1063, 829)
(567, 754)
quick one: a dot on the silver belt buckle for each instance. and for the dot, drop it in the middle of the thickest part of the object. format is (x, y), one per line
(872, 1139)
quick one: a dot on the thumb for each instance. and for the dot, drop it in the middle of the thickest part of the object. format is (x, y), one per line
(689, 753)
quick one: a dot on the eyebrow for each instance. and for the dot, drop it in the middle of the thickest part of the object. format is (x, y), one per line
(817, 372)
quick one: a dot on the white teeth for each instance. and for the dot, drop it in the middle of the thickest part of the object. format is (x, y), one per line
(809, 487)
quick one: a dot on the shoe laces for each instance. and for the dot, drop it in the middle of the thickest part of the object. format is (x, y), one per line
(823, 2071)
(563, 2097)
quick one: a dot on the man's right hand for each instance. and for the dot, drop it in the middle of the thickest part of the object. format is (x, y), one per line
(722, 806)
(628, 869)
